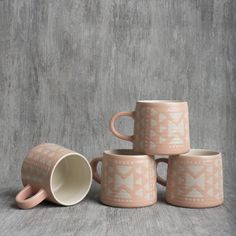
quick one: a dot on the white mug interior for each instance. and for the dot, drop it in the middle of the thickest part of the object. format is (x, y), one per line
(71, 179)
(124, 152)
(161, 101)
(201, 153)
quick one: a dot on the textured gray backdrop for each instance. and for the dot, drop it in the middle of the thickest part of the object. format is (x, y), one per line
(67, 66)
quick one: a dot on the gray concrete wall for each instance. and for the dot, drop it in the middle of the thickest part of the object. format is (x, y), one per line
(67, 66)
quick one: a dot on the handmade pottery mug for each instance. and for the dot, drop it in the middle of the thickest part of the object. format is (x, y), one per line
(160, 127)
(128, 178)
(194, 179)
(55, 173)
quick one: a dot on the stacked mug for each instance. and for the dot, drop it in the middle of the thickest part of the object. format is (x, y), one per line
(128, 177)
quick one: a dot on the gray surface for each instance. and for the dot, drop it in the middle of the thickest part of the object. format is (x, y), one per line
(67, 66)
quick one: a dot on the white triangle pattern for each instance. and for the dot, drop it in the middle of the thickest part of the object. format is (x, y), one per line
(153, 124)
(129, 182)
(196, 182)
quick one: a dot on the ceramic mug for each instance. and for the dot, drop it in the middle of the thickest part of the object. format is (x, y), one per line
(160, 127)
(194, 179)
(55, 173)
(128, 178)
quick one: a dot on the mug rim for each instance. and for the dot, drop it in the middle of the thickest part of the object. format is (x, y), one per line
(53, 170)
(200, 153)
(161, 101)
(129, 153)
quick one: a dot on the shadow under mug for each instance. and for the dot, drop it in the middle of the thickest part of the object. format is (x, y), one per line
(160, 127)
(55, 173)
(194, 179)
(128, 178)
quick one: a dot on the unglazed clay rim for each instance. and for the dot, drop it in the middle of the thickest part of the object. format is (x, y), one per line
(211, 153)
(161, 101)
(196, 205)
(127, 205)
(135, 154)
(90, 181)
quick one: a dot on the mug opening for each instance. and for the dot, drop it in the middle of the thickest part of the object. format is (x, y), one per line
(123, 152)
(71, 179)
(161, 101)
(201, 152)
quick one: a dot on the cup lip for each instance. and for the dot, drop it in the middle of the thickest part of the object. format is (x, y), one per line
(161, 101)
(200, 153)
(115, 153)
(54, 167)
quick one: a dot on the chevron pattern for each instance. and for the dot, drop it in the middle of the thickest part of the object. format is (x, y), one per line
(156, 129)
(129, 181)
(195, 181)
(39, 162)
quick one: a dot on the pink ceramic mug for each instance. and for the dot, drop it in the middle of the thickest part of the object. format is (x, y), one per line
(194, 179)
(55, 173)
(128, 178)
(160, 127)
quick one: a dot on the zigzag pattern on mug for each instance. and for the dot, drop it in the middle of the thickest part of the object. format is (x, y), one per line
(128, 183)
(160, 128)
(41, 173)
(197, 181)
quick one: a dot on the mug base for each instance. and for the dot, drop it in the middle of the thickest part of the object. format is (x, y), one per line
(195, 205)
(113, 203)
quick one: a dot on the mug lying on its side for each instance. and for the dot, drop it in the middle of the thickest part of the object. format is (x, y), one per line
(55, 173)
(194, 179)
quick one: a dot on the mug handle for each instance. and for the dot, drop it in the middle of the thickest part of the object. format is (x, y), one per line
(94, 164)
(113, 129)
(159, 179)
(27, 198)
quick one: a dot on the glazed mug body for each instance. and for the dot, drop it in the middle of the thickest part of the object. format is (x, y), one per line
(194, 179)
(160, 127)
(128, 179)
